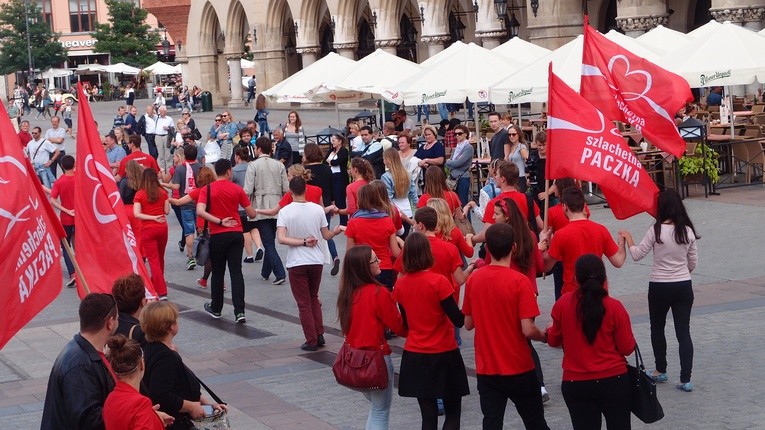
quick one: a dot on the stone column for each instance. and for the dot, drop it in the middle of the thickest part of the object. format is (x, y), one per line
(555, 24)
(491, 39)
(435, 43)
(347, 49)
(388, 45)
(235, 78)
(635, 26)
(309, 54)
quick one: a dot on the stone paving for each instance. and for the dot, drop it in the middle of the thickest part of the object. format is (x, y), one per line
(271, 384)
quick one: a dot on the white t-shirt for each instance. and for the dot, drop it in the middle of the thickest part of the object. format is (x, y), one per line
(56, 133)
(41, 150)
(303, 219)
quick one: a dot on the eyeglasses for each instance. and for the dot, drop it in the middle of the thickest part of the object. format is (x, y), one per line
(224, 116)
(218, 120)
(34, 133)
(186, 114)
(375, 261)
(108, 311)
(459, 133)
(512, 134)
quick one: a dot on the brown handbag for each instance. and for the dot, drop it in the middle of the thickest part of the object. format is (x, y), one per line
(361, 369)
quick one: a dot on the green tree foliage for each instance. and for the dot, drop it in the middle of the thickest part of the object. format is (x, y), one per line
(46, 48)
(127, 37)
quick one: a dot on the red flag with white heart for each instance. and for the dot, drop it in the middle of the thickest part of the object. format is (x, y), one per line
(583, 144)
(633, 90)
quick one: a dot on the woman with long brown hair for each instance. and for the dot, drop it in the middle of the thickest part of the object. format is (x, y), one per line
(519, 153)
(365, 311)
(399, 185)
(362, 173)
(151, 206)
(293, 133)
(435, 186)
(321, 176)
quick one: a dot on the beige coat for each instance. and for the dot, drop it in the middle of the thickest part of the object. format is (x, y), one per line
(265, 183)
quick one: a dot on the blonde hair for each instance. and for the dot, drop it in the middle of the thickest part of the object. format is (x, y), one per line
(401, 180)
(445, 223)
(296, 170)
(157, 318)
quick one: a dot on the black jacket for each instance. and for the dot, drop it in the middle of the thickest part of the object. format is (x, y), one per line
(77, 388)
(169, 382)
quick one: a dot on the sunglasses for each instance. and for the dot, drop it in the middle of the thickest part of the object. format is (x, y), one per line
(224, 116)
(458, 133)
(186, 114)
(512, 134)
(218, 119)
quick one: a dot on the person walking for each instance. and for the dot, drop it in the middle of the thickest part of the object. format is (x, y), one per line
(261, 115)
(337, 158)
(219, 204)
(672, 239)
(595, 332)
(299, 226)
(42, 154)
(365, 311)
(184, 180)
(148, 123)
(150, 205)
(63, 190)
(243, 157)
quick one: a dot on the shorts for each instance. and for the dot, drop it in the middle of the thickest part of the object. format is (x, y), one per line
(246, 225)
(188, 221)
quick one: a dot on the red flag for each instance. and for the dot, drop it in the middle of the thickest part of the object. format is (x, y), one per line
(30, 236)
(104, 239)
(583, 144)
(631, 89)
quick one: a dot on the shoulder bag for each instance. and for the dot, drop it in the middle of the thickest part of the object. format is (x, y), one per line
(644, 403)
(202, 241)
(361, 369)
(218, 420)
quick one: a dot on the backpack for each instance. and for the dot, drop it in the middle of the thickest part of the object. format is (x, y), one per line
(140, 126)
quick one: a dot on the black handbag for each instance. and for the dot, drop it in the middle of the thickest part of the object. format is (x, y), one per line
(644, 403)
(202, 241)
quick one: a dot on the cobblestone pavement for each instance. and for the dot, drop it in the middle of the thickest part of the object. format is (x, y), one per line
(271, 384)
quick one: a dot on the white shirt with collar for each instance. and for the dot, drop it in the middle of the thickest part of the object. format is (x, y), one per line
(56, 133)
(151, 123)
(162, 123)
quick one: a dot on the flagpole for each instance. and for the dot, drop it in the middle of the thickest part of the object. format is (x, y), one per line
(77, 270)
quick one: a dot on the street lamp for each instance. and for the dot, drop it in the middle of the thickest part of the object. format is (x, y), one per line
(513, 26)
(511, 23)
(165, 46)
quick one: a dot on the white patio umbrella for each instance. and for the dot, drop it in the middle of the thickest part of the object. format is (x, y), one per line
(662, 39)
(632, 45)
(530, 83)
(294, 88)
(455, 78)
(55, 73)
(446, 53)
(703, 31)
(521, 50)
(122, 68)
(160, 68)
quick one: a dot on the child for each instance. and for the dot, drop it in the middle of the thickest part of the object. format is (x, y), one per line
(261, 116)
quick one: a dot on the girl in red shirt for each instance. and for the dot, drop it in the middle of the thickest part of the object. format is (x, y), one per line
(596, 333)
(361, 174)
(431, 365)
(150, 205)
(365, 310)
(126, 408)
(435, 186)
(447, 230)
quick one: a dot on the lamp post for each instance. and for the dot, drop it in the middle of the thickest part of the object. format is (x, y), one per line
(511, 23)
(29, 43)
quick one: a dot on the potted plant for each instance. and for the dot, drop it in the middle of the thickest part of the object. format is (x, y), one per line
(693, 166)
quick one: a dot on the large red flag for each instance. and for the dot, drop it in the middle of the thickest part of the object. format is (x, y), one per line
(30, 234)
(631, 89)
(583, 144)
(105, 241)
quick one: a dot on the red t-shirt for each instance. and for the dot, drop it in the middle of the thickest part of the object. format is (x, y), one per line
(226, 198)
(446, 259)
(127, 409)
(576, 239)
(605, 357)
(374, 232)
(151, 208)
(351, 196)
(498, 298)
(63, 189)
(176, 194)
(457, 239)
(373, 310)
(537, 265)
(452, 199)
(194, 194)
(556, 219)
(312, 194)
(24, 137)
(519, 199)
(420, 294)
(141, 158)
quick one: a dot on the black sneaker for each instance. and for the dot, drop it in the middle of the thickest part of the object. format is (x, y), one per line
(259, 254)
(278, 281)
(72, 282)
(335, 267)
(191, 264)
(320, 341)
(249, 260)
(240, 319)
(182, 245)
(208, 308)
(307, 347)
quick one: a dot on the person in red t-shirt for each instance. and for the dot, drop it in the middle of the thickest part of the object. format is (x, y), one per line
(362, 173)
(581, 236)
(365, 311)
(151, 205)
(431, 365)
(435, 186)
(142, 158)
(446, 228)
(63, 189)
(506, 176)
(597, 334)
(24, 135)
(125, 407)
(501, 306)
(226, 239)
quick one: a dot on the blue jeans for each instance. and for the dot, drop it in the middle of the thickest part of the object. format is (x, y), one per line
(463, 190)
(69, 229)
(331, 242)
(381, 400)
(188, 221)
(423, 110)
(443, 111)
(272, 263)
(45, 175)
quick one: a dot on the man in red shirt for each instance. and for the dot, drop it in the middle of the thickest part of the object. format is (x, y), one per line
(63, 190)
(501, 305)
(142, 158)
(581, 236)
(24, 135)
(506, 176)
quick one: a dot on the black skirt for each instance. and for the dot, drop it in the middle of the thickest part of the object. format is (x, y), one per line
(433, 376)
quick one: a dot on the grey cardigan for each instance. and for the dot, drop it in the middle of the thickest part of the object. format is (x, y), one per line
(265, 183)
(458, 166)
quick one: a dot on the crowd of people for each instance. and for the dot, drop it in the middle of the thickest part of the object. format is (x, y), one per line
(408, 269)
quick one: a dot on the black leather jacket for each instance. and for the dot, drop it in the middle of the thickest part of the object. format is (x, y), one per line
(77, 388)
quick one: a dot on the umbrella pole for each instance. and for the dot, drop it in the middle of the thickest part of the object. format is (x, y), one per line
(337, 112)
(730, 110)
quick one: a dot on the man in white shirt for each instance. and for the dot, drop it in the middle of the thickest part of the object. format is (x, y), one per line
(299, 226)
(164, 124)
(56, 135)
(149, 120)
(390, 138)
(42, 154)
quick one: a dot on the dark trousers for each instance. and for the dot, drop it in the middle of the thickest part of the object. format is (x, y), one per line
(226, 249)
(339, 184)
(54, 164)
(271, 260)
(331, 243)
(522, 390)
(69, 229)
(678, 296)
(304, 282)
(558, 279)
(537, 365)
(152, 144)
(589, 401)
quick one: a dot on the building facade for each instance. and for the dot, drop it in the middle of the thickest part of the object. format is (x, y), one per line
(286, 35)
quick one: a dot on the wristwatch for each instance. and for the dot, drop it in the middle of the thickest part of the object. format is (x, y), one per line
(220, 221)
(304, 242)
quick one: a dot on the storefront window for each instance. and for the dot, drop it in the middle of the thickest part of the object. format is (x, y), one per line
(82, 15)
(45, 10)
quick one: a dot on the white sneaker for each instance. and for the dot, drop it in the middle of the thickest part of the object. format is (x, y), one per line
(545, 396)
